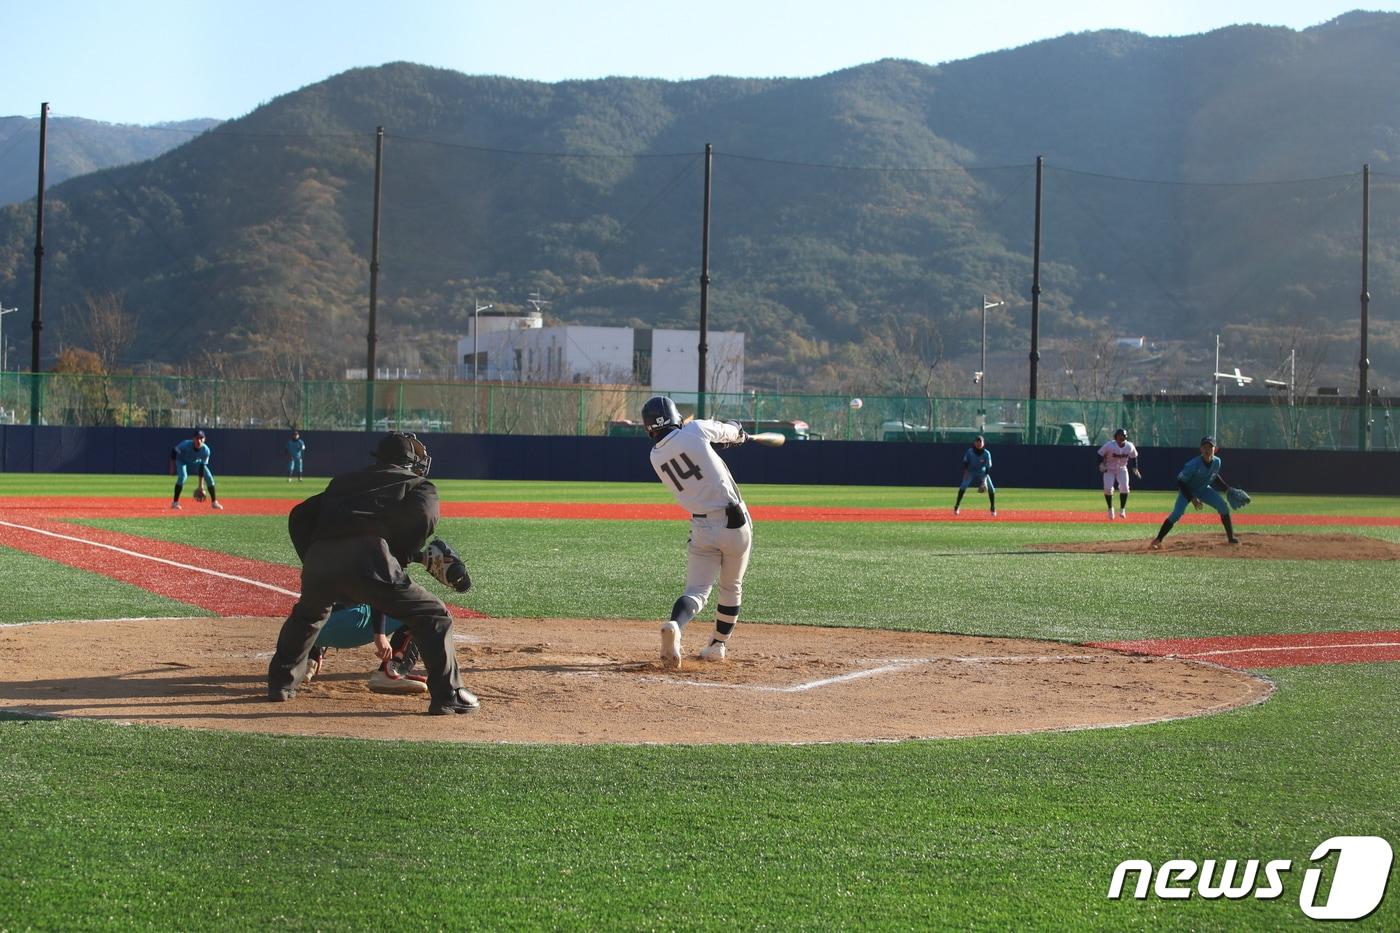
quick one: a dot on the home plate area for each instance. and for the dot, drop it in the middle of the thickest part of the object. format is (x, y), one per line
(599, 681)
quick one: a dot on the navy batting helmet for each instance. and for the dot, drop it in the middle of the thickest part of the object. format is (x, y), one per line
(660, 416)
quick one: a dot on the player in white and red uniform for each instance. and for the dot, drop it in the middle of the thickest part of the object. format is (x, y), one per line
(1118, 458)
(720, 530)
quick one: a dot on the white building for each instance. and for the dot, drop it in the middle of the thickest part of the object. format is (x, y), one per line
(520, 349)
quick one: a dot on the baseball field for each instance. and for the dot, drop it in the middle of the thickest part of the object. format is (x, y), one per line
(926, 721)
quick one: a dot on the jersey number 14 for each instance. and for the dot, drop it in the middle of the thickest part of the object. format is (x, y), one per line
(675, 472)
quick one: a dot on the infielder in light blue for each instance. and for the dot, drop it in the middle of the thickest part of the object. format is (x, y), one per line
(295, 448)
(192, 456)
(977, 468)
(1197, 484)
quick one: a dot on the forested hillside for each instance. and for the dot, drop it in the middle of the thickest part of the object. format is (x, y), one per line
(1192, 185)
(78, 146)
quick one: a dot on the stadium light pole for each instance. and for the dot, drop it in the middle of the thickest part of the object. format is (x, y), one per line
(476, 336)
(4, 311)
(987, 305)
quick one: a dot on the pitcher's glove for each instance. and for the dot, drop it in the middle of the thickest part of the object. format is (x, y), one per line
(1238, 498)
(446, 565)
(199, 494)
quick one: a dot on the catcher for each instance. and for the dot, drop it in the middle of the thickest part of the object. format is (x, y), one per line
(354, 540)
(354, 626)
(977, 468)
(1197, 484)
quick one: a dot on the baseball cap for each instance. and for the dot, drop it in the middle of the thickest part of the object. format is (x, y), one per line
(1207, 440)
(198, 433)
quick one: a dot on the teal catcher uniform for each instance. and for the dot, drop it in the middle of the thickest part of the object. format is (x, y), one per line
(351, 626)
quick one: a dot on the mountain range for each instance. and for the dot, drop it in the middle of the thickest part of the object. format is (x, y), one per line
(77, 146)
(1191, 186)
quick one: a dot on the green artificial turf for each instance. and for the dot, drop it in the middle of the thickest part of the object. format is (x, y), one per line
(147, 828)
(36, 589)
(1010, 500)
(111, 826)
(941, 577)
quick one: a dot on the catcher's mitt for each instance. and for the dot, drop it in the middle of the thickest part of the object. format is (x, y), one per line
(1238, 498)
(446, 565)
(199, 495)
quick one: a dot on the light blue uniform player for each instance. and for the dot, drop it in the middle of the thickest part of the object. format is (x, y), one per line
(353, 626)
(295, 448)
(188, 457)
(977, 468)
(1197, 484)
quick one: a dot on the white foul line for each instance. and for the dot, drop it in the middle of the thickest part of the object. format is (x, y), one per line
(159, 560)
(899, 664)
(1350, 644)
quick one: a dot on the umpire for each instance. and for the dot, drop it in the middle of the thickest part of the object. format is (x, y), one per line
(354, 540)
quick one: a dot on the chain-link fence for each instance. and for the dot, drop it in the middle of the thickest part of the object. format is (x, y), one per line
(1318, 423)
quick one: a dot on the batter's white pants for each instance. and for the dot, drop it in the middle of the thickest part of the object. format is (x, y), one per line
(717, 553)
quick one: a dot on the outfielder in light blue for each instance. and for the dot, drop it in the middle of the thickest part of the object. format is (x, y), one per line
(295, 448)
(1197, 485)
(192, 456)
(977, 468)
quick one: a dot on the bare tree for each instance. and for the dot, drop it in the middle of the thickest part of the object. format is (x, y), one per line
(906, 359)
(109, 329)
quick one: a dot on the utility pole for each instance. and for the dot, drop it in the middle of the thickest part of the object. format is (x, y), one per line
(1363, 415)
(1035, 306)
(704, 347)
(372, 337)
(37, 326)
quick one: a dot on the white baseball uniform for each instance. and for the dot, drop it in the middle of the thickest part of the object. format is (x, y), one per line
(687, 465)
(1115, 463)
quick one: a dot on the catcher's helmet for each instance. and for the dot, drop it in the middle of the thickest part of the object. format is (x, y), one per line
(404, 449)
(660, 416)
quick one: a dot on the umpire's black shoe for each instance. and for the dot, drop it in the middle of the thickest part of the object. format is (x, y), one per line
(462, 701)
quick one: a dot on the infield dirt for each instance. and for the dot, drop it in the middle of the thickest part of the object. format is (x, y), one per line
(1261, 546)
(597, 681)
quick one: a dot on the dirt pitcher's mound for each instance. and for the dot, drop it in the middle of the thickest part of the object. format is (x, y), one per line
(1265, 546)
(585, 681)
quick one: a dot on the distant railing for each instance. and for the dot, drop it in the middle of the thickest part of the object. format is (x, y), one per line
(513, 408)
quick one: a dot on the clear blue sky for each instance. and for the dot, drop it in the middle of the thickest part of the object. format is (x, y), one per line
(143, 61)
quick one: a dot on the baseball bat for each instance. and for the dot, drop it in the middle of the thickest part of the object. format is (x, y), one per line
(768, 438)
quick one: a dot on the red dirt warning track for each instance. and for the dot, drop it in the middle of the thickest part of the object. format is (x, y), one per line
(129, 507)
(224, 584)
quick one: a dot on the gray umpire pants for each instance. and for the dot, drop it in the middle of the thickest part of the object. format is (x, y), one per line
(361, 570)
